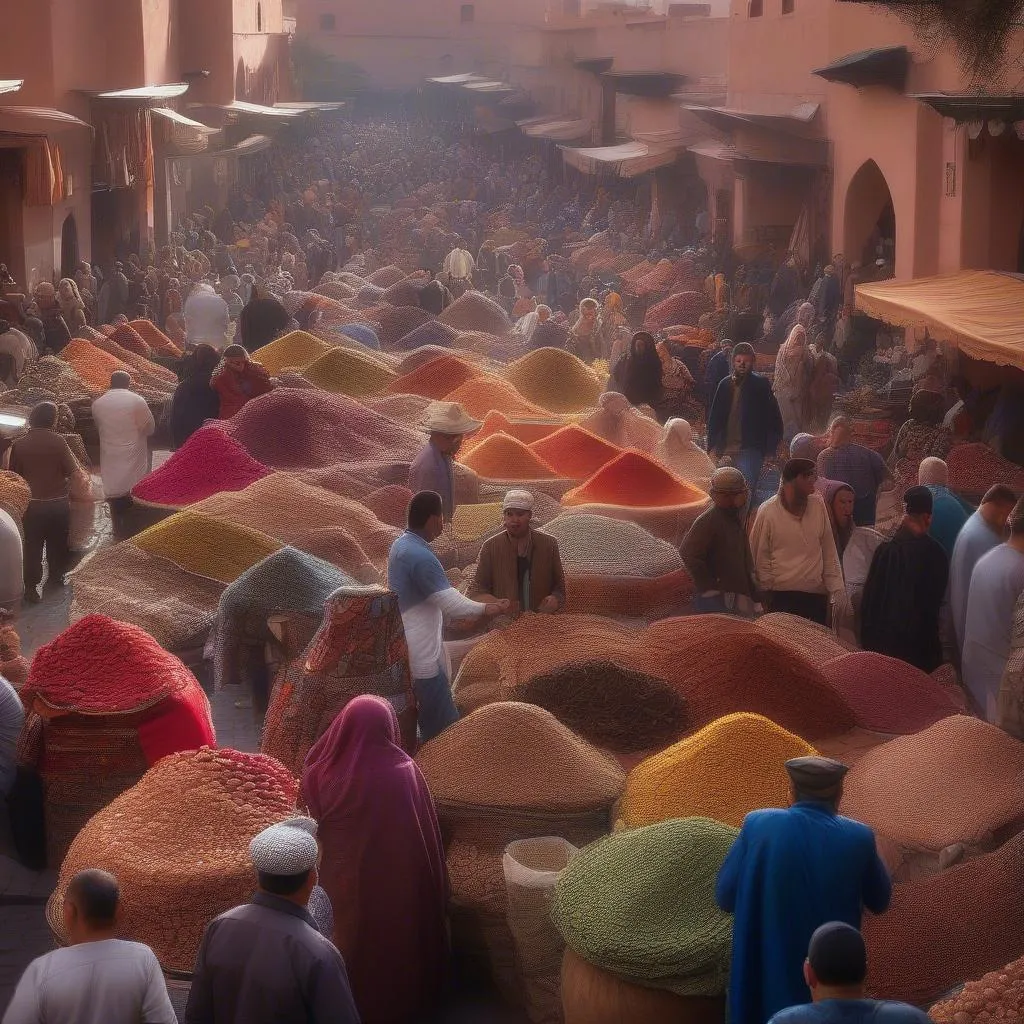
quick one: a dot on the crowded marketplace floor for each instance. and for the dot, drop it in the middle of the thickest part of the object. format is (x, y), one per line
(510, 584)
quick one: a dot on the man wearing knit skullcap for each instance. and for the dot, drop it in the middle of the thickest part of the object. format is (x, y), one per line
(905, 589)
(996, 584)
(267, 960)
(796, 563)
(744, 423)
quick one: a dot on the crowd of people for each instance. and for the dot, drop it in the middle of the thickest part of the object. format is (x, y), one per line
(939, 580)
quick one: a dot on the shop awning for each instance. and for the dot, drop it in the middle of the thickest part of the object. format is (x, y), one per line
(559, 131)
(489, 87)
(629, 160)
(456, 79)
(311, 107)
(11, 84)
(255, 110)
(808, 153)
(37, 121)
(979, 311)
(968, 107)
(595, 65)
(654, 84)
(886, 65)
(182, 121)
(146, 93)
(249, 147)
(727, 118)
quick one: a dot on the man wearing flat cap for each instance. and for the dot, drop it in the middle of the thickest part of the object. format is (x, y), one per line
(796, 562)
(905, 590)
(267, 961)
(434, 469)
(716, 551)
(789, 872)
(520, 564)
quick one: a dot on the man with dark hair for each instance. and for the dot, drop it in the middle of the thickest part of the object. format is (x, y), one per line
(426, 598)
(43, 458)
(745, 423)
(267, 961)
(905, 589)
(97, 978)
(796, 562)
(789, 872)
(835, 970)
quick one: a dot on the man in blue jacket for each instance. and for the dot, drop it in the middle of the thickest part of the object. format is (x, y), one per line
(745, 424)
(789, 872)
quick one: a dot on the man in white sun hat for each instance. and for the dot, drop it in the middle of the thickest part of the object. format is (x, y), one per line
(433, 469)
(267, 961)
(521, 565)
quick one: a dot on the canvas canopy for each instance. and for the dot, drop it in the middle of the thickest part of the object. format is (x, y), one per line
(979, 311)
(627, 161)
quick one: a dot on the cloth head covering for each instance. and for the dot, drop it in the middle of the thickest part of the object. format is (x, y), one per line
(797, 467)
(728, 480)
(816, 774)
(837, 954)
(933, 471)
(261, 321)
(803, 446)
(518, 499)
(918, 501)
(448, 418)
(283, 849)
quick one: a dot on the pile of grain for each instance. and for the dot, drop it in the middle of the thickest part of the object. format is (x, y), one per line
(519, 756)
(555, 379)
(439, 377)
(403, 293)
(178, 844)
(808, 640)
(681, 308)
(293, 429)
(957, 782)
(617, 421)
(998, 996)
(209, 462)
(346, 371)
(431, 333)
(15, 493)
(387, 276)
(633, 480)
(591, 545)
(641, 904)
(406, 410)
(155, 338)
(611, 707)
(474, 311)
(948, 928)
(397, 322)
(974, 467)
(390, 504)
(129, 338)
(526, 431)
(887, 694)
(147, 373)
(59, 380)
(489, 394)
(471, 522)
(206, 546)
(731, 767)
(575, 453)
(362, 334)
(93, 365)
(297, 349)
(500, 457)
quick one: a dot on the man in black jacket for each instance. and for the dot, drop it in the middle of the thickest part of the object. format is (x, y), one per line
(745, 424)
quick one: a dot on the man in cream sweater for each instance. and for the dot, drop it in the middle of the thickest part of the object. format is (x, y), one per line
(795, 559)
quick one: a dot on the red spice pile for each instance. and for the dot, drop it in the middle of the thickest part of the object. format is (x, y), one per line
(101, 666)
(482, 395)
(127, 337)
(435, 379)
(209, 462)
(633, 480)
(575, 453)
(526, 431)
(681, 308)
(504, 458)
(887, 694)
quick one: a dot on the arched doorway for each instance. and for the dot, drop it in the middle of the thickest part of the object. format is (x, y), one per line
(69, 246)
(870, 217)
(241, 93)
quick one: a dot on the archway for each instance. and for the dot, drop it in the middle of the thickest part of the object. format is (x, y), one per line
(69, 246)
(870, 217)
(241, 93)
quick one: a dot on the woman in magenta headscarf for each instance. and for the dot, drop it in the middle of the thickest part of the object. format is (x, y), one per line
(383, 863)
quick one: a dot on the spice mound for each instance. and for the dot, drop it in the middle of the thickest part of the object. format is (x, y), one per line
(555, 379)
(633, 480)
(574, 452)
(297, 349)
(435, 379)
(501, 457)
(346, 371)
(482, 395)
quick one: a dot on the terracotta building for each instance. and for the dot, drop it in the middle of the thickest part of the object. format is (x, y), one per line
(86, 142)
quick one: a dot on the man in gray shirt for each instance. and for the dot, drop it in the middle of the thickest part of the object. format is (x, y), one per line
(266, 961)
(97, 979)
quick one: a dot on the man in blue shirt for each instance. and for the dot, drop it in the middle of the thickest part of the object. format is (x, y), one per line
(789, 872)
(835, 969)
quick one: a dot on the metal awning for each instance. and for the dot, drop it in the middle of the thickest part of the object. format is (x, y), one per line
(182, 121)
(559, 131)
(629, 160)
(37, 121)
(595, 65)
(812, 155)
(11, 84)
(968, 107)
(489, 87)
(145, 93)
(653, 84)
(248, 147)
(456, 79)
(886, 65)
(728, 118)
(323, 107)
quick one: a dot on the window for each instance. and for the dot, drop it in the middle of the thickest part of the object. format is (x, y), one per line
(788, 6)
(327, 23)
(467, 13)
(755, 8)
(259, 17)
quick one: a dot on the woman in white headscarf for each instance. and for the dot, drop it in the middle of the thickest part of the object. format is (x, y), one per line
(793, 367)
(678, 452)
